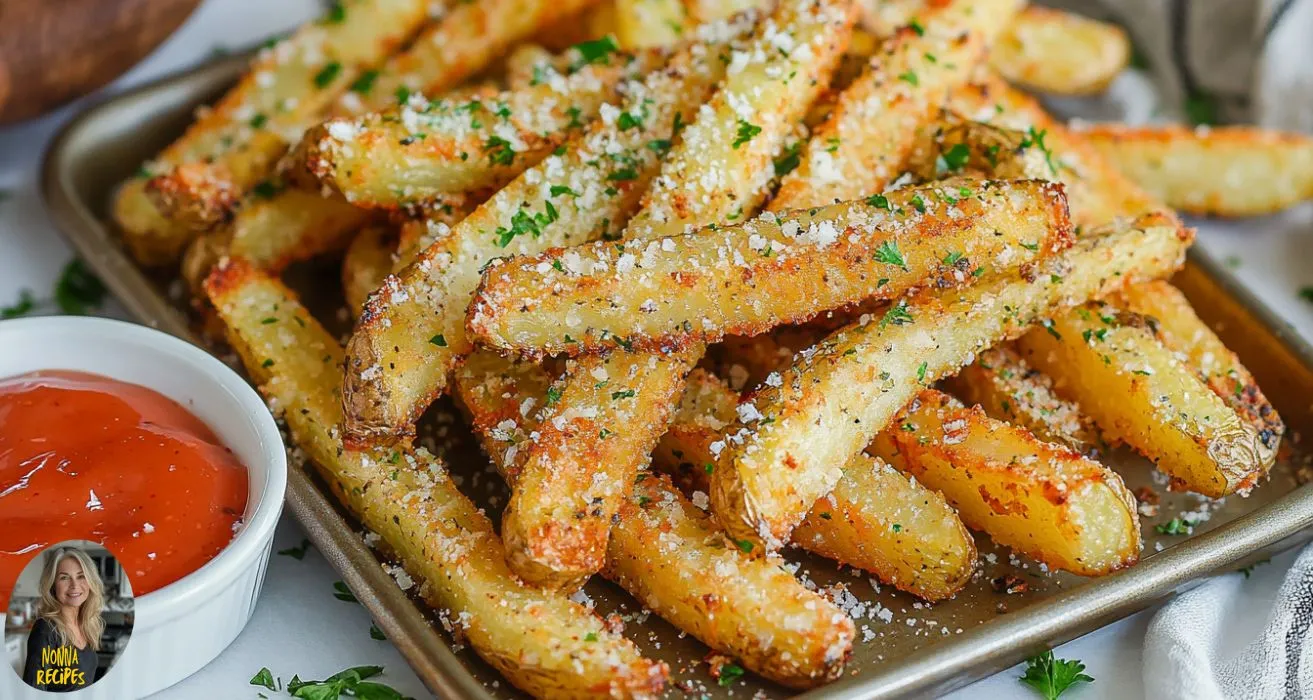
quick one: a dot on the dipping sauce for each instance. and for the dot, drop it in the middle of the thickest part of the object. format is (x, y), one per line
(86, 457)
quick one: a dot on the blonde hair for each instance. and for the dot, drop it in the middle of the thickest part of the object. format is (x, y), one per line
(89, 617)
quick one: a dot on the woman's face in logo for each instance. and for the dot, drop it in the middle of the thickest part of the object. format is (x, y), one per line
(70, 583)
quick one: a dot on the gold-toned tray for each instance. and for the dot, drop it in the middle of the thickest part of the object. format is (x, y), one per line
(921, 648)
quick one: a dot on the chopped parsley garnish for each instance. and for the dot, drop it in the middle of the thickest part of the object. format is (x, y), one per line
(553, 395)
(558, 190)
(327, 74)
(1051, 677)
(878, 201)
(745, 545)
(728, 674)
(920, 372)
(25, 304)
(708, 467)
(365, 82)
(350, 683)
(916, 27)
(789, 159)
(1306, 293)
(746, 132)
(956, 157)
(438, 340)
(952, 258)
(402, 94)
(376, 633)
(265, 679)
(341, 592)
(909, 77)
(259, 120)
(1030, 246)
(499, 150)
(1037, 139)
(297, 552)
(78, 290)
(336, 14)
(889, 254)
(897, 315)
(622, 175)
(918, 203)
(628, 120)
(522, 222)
(626, 394)
(1175, 526)
(659, 145)
(268, 362)
(266, 189)
(590, 637)
(595, 51)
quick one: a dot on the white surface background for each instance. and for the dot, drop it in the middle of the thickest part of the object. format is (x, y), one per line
(300, 628)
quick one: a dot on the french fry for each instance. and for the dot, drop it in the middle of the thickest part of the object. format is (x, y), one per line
(773, 270)
(287, 88)
(367, 261)
(1182, 331)
(1042, 49)
(862, 147)
(694, 578)
(956, 147)
(1113, 365)
(1010, 390)
(787, 448)
(543, 644)
(528, 64)
(288, 84)
(1041, 499)
(414, 327)
(1215, 171)
(721, 164)
(875, 519)
(423, 149)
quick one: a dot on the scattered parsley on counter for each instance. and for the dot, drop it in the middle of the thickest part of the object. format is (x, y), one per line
(1306, 293)
(265, 679)
(348, 683)
(341, 592)
(376, 633)
(1051, 677)
(1248, 570)
(297, 552)
(76, 292)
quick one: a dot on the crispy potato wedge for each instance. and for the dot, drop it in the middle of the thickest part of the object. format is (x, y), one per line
(703, 177)
(1213, 171)
(1182, 331)
(1010, 390)
(1111, 362)
(788, 446)
(414, 328)
(423, 149)
(582, 466)
(929, 554)
(1043, 500)
(287, 87)
(1041, 49)
(772, 270)
(543, 644)
(862, 147)
(670, 555)
(367, 262)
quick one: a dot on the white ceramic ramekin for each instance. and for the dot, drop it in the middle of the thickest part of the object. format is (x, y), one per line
(185, 625)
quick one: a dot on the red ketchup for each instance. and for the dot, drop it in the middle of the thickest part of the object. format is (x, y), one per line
(86, 457)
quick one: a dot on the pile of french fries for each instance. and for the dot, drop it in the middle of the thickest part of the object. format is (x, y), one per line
(710, 279)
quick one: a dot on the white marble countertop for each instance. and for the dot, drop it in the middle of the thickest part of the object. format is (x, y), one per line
(298, 626)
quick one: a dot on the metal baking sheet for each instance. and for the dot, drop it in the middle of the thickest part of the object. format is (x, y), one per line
(908, 647)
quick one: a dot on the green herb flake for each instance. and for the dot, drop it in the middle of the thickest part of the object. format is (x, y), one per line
(553, 395)
(889, 254)
(626, 394)
(265, 679)
(744, 545)
(910, 78)
(728, 674)
(746, 132)
(595, 51)
(438, 340)
(956, 157)
(376, 633)
(1050, 677)
(1175, 526)
(297, 552)
(365, 82)
(341, 592)
(327, 74)
(78, 290)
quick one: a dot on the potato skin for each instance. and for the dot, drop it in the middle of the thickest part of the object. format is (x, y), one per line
(1114, 366)
(1042, 499)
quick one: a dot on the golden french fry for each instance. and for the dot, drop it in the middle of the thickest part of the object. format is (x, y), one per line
(1041, 499)
(772, 270)
(1010, 390)
(543, 644)
(749, 608)
(865, 142)
(422, 149)
(367, 262)
(787, 450)
(1181, 330)
(1111, 363)
(1218, 171)
(415, 326)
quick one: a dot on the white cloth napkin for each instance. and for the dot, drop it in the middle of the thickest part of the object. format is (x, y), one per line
(1183, 649)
